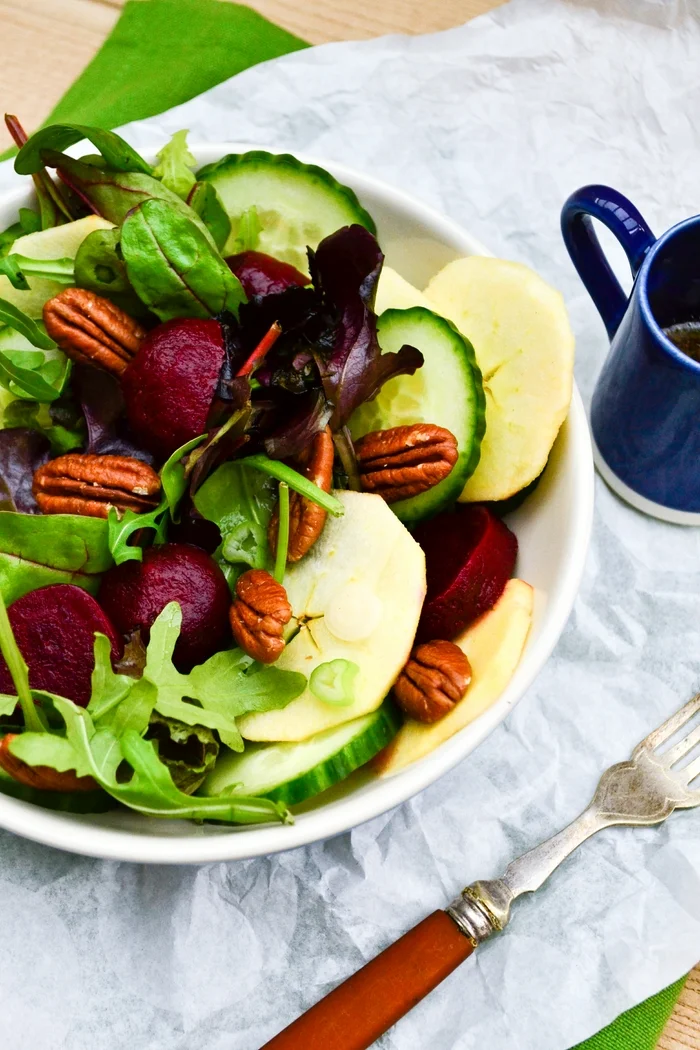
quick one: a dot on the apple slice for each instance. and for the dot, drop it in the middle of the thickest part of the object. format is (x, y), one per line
(356, 596)
(59, 242)
(493, 646)
(469, 557)
(395, 293)
(524, 347)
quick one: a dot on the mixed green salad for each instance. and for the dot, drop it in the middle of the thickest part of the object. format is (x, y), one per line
(251, 483)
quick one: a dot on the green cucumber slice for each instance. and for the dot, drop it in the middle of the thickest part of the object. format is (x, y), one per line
(293, 772)
(297, 204)
(447, 391)
(97, 801)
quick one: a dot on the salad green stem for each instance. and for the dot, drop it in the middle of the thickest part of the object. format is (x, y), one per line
(18, 670)
(346, 452)
(258, 355)
(282, 533)
(276, 469)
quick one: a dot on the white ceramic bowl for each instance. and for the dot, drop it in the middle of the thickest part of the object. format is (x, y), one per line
(552, 526)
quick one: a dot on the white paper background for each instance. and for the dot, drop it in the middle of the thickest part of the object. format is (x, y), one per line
(495, 123)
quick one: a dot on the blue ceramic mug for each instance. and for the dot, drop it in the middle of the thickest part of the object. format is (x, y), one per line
(645, 413)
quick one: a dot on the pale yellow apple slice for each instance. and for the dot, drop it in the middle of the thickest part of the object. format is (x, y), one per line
(395, 293)
(493, 645)
(524, 346)
(60, 242)
(356, 596)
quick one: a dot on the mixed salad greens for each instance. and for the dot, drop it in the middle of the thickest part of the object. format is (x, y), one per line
(233, 564)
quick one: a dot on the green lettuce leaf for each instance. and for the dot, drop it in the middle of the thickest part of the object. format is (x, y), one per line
(206, 202)
(175, 164)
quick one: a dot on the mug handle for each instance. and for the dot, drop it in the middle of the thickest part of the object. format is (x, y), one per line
(633, 233)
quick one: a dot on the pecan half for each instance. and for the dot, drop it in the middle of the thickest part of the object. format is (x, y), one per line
(435, 678)
(92, 330)
(90, 485)
(306, 518)
(258, 615)
(405, 461)
(44, 778)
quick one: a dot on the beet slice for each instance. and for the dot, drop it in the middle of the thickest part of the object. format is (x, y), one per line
(261, 274)
(136, 592)
(55, 630)
(169, 386)
(470, 555)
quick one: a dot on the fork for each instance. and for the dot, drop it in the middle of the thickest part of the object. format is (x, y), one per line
(645, 790)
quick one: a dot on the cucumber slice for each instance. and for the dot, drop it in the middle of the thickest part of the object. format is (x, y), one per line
(447, 391)
(67, 802)
(297, 204)
(294, 772)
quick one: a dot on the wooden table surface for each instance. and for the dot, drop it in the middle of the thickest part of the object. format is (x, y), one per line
(46, 43)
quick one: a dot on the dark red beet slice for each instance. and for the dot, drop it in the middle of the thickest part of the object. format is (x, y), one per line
(169, 386)
(135, 592)
(260, 274)
(55, 630)
(470, 555)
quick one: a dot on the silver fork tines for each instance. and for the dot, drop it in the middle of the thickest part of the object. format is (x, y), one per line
(645, 790)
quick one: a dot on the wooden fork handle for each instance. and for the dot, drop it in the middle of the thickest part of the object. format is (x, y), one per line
(357, 1012)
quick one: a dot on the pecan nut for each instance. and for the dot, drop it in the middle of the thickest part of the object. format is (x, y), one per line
(43, 778)
(405, 461)
(90, 485)
(306, 518)
(92, 330)
(258, 615)
(435, 678)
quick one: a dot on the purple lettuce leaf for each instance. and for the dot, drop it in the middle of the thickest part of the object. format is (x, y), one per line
(100, 397)
(22, 451)
(345, 269)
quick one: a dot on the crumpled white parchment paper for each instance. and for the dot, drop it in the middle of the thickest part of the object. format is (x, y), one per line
(495, 123)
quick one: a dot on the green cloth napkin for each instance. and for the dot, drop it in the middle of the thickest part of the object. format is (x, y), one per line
(164, 52)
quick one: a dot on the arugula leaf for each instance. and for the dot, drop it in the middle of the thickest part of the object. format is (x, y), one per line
(48, 749)
(173, 267)
(108, 687)
(206, 202)
(8, 703)
(39, 549)
(151, 789)
(175, 164)
(116, 152)
(121, 529)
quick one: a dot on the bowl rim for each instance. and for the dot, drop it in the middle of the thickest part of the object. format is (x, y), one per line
(74, 833)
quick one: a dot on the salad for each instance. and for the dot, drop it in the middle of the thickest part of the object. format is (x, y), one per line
(252, 483)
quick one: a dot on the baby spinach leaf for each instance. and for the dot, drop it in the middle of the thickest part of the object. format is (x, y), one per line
(116, 152)
(206, 202)
(100, 268)
(22, 451)
(175, 164)
(37, 549)
(173, 267)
